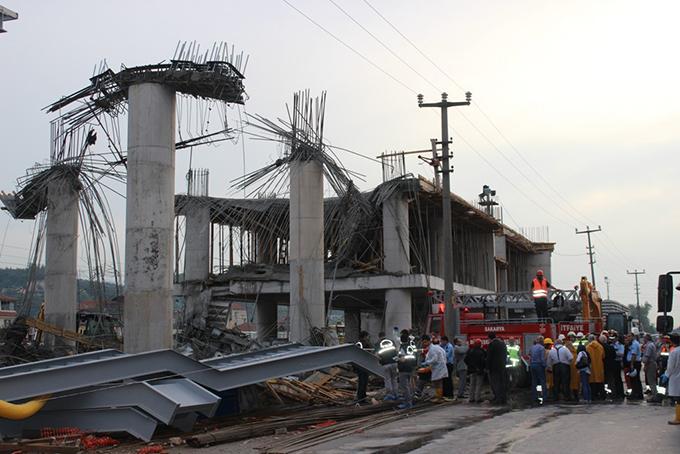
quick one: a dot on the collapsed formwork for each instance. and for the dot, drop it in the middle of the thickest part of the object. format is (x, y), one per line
(372, 251)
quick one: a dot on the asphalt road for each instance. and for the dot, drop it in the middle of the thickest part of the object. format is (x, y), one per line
(553, 429)
(567, 429)
(483, 429)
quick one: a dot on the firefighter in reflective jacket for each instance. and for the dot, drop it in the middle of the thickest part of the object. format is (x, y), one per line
(539, 291)
(513, 352)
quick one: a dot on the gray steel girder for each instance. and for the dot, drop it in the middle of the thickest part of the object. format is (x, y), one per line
(220, 375)
(164, 400)
(61, 361)
(263, 352)
(103, 420)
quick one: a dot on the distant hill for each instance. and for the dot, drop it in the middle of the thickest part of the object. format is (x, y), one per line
(13, 282)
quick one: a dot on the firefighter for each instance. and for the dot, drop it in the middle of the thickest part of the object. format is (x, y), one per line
(387, 355)
(581, 339)
(539, 292)
(513, 352)
(406, 363)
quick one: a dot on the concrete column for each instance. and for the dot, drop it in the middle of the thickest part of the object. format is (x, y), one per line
(266, 247)
(266, 318)
(197, 250)
(61, 258)
(539, 261)
(196, 259)
(352, 325)
(397, 309)
(396, 247)
(149, 218)
(500, 252)
(489, 257)
(306, 251)
(396, 235)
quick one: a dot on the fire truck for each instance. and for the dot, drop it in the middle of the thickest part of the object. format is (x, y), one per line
(512, 315)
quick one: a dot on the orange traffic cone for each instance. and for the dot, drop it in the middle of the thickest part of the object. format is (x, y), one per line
(676, 421)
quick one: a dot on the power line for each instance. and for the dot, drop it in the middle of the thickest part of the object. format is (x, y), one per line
(503, 136)
(385, 46)
(356, 52)
(637, 291)
(591, 250)
(400, 82)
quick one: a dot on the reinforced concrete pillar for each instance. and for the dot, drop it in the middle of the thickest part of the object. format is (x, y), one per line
(396, 248)
(197, 238)
(149, 230)
(61, 258)
(306, 250)
(196, 258)
(266, 319)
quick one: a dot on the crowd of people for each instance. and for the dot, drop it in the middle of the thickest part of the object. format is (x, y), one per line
(573, 367)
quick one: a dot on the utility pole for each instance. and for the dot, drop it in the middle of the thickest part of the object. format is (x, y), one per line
(606, 281)
(451, 314)
(637, 293)
(591, 251)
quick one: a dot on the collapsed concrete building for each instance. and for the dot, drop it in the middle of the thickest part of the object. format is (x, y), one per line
(381, 253)
(376, 256)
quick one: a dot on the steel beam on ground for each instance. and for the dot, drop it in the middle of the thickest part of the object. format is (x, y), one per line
(62, 361)
(219, 375)
(107, 420)
(163, 400)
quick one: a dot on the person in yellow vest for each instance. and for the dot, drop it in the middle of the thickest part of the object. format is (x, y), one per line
(574, 377)
(513, 352)
(548, 344)
(596, 352)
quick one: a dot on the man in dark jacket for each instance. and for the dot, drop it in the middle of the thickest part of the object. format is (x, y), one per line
(476, 363)
(610, 365)
(496, 359)
(362, 384)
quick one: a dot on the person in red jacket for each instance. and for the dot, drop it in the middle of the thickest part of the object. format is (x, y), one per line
(539, 291)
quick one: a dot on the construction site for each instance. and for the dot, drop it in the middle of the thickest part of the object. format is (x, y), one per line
(242, 324)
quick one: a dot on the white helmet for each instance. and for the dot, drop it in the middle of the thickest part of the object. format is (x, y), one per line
(561, 337)
(579, 334)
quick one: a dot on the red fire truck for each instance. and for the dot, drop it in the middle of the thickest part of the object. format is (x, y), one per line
(512, 315)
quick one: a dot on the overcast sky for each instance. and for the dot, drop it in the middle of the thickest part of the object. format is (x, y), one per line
(587, 92)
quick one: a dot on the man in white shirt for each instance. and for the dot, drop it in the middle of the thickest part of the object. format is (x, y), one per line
(559, 361)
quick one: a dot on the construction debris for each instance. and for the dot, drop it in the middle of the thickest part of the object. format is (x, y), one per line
(301, 391)
(244, 429)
